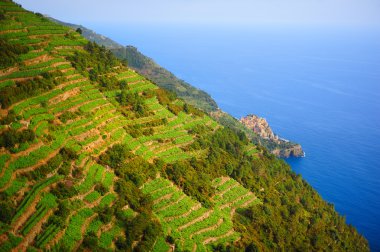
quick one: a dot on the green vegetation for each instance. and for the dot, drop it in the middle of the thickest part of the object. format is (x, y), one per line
(9, 53)
(97, 58)
(46, 203)
(10, 138)
(25, 89)
(95, 157)
(165, 79)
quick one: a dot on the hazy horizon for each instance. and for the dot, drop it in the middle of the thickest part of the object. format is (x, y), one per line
(345, 13)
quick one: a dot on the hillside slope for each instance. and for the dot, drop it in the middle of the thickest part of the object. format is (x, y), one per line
(196, 97)
(147, 67)
(95, 157)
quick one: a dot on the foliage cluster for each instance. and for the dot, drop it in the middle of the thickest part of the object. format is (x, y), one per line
(298, 220)
(133, 171)
(28, 88)
(61, 163)
(9, 53)
(134, 101)
(165, 79)
(11, 137)
(69, 115)
(94, 61)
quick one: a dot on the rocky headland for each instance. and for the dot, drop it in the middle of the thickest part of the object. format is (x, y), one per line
(277, 145)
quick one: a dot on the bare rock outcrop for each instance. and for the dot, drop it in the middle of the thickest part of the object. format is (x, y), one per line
(277, 145)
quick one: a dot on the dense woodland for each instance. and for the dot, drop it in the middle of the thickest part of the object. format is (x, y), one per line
(97, 192)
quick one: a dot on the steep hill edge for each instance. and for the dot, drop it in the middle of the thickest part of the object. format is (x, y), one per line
(93, 156)
(196, 97)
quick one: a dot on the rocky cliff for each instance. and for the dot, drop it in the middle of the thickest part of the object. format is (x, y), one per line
(277, 145)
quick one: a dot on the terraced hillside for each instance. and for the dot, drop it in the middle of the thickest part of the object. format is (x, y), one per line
(74, 116)
(196, 97)
(194, 226)
(95, 157)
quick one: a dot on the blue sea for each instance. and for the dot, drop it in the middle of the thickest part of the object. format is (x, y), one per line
(316, 86)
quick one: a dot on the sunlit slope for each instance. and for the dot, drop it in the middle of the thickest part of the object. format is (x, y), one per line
(194, 226)
(95, 157)
(73, 123)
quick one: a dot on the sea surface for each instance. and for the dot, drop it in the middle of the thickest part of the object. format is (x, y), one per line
(316, 86)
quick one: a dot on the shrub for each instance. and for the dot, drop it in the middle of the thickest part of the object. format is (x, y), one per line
(12, 137)
(9, 52)
(28, 88)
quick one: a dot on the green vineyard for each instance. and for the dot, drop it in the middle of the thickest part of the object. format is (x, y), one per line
(75, 114)
(96, 157)
(191, 225)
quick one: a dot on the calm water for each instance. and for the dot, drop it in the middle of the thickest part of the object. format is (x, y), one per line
(318, 87)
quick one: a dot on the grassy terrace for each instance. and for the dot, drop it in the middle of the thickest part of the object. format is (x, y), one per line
(42, 113)
(189, 223)
(169, 137)
(77, 115)
(83, 140)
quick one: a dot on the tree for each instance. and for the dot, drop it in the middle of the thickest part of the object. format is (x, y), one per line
(7, 210)
(79, 30)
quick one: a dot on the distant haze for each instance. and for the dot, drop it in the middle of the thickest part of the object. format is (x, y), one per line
(212, 12)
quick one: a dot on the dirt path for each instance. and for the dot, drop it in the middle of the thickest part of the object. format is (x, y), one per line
(108, 121)
(221, 193)
(135, 82)
(247, 203)
(161, 188)
(61, 63)
(170, 204)
(63, 97)
(200, 218)
(13, 31)
(83, 230)
(2, 171)
(222, 181)
(107, 227)
(192, 209)
(25, 216)
(213, 227)
(213, 239)
(87, 134)
(229, 204)
(8, 71)
(68, 47)
(55, 240)
(30, 168)
(72, 109)
(60, 86)
(61, 233)
(46, 35)
(29, 238)
(42, 58)
(27, 151)
(82, 196)
(166, 196)
(195, 247)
